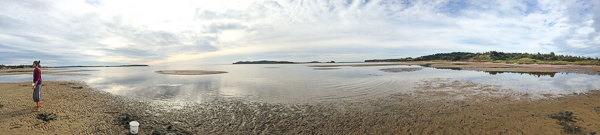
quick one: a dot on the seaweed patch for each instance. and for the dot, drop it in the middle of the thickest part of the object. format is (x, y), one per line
(47, 116)
(567, 121)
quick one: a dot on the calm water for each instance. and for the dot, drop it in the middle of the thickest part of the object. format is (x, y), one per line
(285, 83)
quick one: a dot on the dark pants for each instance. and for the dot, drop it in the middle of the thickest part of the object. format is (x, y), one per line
(37, 93)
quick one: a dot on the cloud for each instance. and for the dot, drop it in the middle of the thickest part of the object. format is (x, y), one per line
(581, 30)
(160, 32)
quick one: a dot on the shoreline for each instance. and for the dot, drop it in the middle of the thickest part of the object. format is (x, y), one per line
(518, 68)
(485, 66)
(79, 109)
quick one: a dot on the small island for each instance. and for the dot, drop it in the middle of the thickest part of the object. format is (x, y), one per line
(264, 62)
(188, 72)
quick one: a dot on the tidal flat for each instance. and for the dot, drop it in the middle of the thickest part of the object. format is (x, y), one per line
(363, 98)
(75, 108)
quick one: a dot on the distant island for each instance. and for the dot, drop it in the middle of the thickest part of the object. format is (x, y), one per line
(264, 62)
(277, 62)
(501, 57)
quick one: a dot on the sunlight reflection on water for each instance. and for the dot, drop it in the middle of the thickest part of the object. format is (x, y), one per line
(286, 83)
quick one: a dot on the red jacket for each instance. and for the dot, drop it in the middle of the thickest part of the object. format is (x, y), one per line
(37, 75)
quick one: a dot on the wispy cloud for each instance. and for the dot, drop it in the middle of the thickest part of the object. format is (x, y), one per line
(161, 32)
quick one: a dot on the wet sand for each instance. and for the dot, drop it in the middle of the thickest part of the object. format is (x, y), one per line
(74, 108)
(188, 72)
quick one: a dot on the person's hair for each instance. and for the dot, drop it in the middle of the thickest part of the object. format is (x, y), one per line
(37, 63)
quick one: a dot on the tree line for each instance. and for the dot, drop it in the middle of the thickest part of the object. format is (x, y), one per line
(2, 66)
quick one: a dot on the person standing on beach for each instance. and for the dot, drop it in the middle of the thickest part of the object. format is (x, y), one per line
(37, 84)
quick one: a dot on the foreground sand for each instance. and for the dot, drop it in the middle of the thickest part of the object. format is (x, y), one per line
(74, 108)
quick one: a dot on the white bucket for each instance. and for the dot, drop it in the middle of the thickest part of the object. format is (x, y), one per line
(133, 127)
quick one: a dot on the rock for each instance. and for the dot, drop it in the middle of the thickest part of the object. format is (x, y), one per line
(124, 119)
(158, 132)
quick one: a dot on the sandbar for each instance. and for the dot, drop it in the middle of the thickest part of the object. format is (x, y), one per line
(397, 70)
(188, 72)
(326, 68)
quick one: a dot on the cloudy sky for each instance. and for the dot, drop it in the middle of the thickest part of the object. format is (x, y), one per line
(105, 32)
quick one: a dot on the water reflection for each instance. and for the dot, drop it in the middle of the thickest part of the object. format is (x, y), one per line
(300, 83)
(451, 68)
(538, 74)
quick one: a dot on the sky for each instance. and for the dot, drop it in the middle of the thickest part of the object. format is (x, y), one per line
(180, 32)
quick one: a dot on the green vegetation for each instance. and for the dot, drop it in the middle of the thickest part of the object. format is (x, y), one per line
(480, 58)
(501, 57)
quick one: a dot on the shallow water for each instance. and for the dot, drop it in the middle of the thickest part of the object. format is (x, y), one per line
(287, 83)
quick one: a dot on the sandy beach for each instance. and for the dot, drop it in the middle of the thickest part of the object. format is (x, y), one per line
(74, 108)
